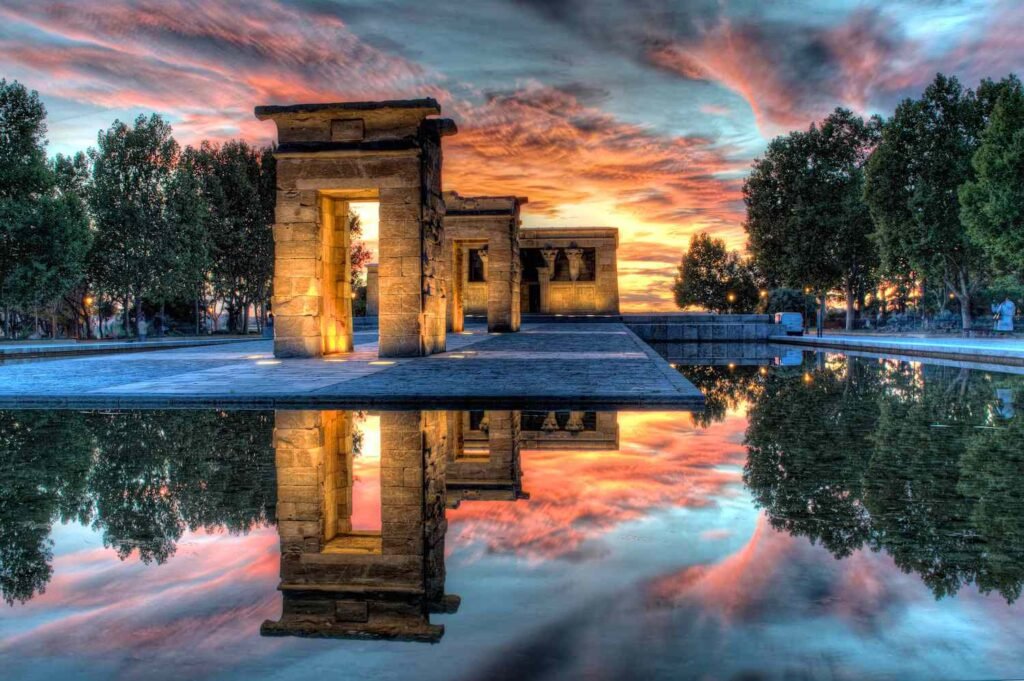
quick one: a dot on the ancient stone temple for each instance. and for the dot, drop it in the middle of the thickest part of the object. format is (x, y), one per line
(341, 582)
(483, 461)
(482, 236)
(327, 156)
(569, 270)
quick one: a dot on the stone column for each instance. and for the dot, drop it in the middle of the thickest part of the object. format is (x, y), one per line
(458, 269)
(575, 256)
(544, 276)
(482, 254)
(372, 291)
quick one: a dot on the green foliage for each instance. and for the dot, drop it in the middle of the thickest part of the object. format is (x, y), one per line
(712, 278)
(788, 300)
(993, 202)
(914, 461)
(912, 183)
(44, 228)
(806, 222)
(140, 478)
(23, 171)
(134, 244)
(724, 388)
(237, 184)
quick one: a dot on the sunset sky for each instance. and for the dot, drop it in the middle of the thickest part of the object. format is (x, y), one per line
(636, 114)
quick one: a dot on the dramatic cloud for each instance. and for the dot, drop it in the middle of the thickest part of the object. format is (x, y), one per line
(576, 497)
(641, 115)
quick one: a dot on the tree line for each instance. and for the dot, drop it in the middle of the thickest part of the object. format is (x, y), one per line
(922, 207)
(136, 226)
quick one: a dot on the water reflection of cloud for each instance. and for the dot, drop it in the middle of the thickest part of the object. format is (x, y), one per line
(576, 496)
(207, 599)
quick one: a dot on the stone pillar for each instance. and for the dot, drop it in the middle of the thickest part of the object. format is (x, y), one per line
(575, 423)
(459, 275)
(544, 276)
(372, 291)
(328, 155)
(607, 276)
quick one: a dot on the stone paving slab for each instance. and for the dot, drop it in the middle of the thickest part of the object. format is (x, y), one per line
(30, 349)
(997, 351)
(543, 365)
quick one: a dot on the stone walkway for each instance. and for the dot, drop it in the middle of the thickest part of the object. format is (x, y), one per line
(979, 350)
(544, 365)
(33, 349)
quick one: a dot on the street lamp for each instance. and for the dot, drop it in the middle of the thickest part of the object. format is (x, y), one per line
(87, 301)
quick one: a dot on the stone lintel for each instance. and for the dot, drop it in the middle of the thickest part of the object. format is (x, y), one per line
(468, 206)
(429, 106)
(542, 234)
(355, 123)
(374, 146)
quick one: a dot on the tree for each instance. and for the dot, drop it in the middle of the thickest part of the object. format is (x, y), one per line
(23, 178)
(238, 186)
(712, 278)
(188, 217)
(134, 247)
(787, 300)
(806, 223)
(359, 254)
(912, 181)
(44, 230)
(992, 204)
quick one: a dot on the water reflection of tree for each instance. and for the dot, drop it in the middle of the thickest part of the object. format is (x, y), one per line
(44, 463)
(913, 461)
(725, 388)
(140, 478)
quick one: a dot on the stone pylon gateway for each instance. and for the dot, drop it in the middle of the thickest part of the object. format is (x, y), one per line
(482, 240)
(327, 156)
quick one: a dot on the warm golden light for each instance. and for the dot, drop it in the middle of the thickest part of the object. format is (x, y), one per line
(764, 294)
(808, 378)
(88, 301)
(381, 363)
(731, 297)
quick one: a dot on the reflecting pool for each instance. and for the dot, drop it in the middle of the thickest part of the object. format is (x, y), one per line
(825, 517)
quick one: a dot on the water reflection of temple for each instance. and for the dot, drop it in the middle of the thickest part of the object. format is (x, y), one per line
(361, 584)
(343, 581)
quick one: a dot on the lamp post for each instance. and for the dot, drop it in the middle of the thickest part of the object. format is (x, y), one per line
(87, 302)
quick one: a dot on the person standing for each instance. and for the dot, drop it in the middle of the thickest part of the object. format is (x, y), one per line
(1004, 312)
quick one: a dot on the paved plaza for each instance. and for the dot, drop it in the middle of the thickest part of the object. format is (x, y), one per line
(543, 365)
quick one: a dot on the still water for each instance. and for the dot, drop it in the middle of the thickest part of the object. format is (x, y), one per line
(836, 519)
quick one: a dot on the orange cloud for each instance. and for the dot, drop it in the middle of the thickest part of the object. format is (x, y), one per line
(579, 496)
